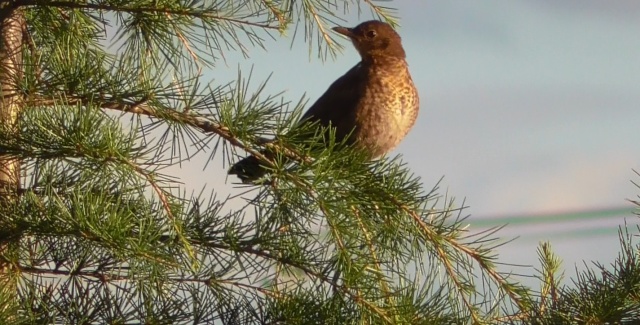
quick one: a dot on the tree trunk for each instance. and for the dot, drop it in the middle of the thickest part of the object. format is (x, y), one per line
(11, 70)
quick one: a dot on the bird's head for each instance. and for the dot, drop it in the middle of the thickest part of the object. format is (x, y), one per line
(374, 39)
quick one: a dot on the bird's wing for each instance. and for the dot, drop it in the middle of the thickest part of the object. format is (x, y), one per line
(337, 105)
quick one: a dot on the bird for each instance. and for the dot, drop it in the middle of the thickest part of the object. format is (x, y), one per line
(373, 106)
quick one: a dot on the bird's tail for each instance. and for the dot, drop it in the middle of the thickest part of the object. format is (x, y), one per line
(248, 169)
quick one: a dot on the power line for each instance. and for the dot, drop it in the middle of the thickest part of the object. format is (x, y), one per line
(552, 218)
(548, 223)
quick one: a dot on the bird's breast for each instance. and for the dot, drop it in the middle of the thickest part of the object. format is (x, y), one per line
(388, 109)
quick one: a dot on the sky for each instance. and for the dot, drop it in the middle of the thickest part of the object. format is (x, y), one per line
(529, 109)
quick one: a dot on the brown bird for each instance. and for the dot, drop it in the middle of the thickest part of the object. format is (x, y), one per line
(375, 103)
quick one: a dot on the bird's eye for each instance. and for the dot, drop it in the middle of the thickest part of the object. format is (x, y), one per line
(371, 34)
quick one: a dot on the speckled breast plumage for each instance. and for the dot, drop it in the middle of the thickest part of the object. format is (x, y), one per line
(387, 109)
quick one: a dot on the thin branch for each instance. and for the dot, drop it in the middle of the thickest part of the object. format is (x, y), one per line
(374, 255)
(276, 12)
(323, 31)
(207, 126)
(306, 269)
(499, 279)
(121, 8)
(380, 12)
(185, 43)
(108, 278)
(165, 204)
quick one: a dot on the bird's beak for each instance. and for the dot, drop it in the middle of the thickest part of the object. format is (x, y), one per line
(348, 32)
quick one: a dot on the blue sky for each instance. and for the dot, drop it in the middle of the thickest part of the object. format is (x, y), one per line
(527, 107)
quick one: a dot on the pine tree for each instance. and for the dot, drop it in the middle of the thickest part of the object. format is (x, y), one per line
(101, 97)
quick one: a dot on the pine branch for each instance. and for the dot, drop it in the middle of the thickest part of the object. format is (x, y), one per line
(186, 117)
(186, 11)
(472, 253)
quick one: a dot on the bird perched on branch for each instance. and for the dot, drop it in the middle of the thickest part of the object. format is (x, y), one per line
(375, 103)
